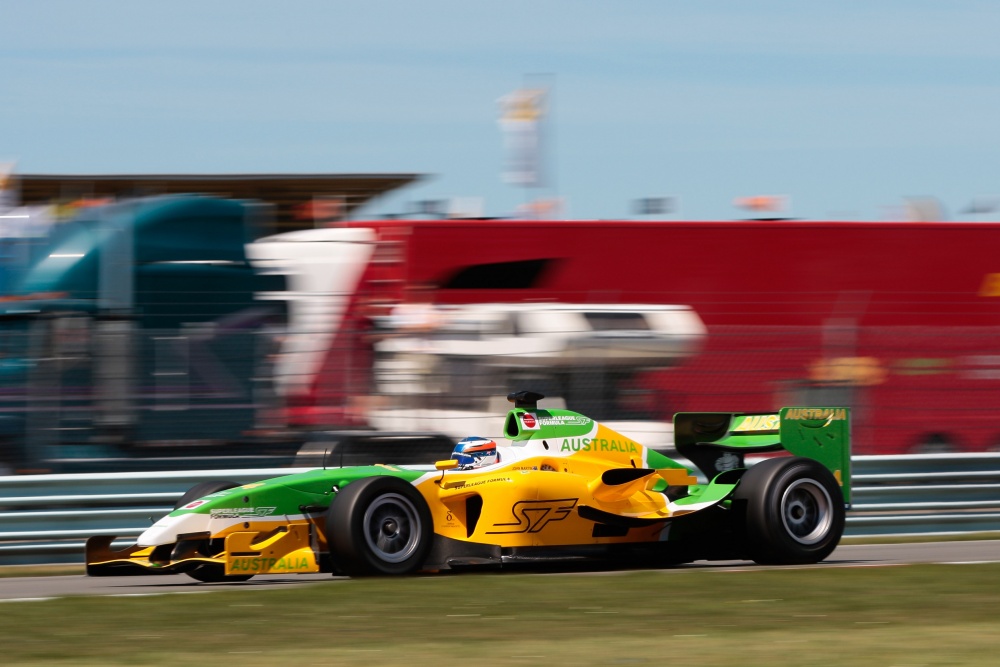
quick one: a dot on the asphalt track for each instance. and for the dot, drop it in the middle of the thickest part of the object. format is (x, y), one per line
(18, 589)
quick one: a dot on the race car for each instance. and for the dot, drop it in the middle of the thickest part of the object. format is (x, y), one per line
(559, 487)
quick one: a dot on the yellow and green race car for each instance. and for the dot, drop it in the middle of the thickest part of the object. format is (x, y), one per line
(561, 487)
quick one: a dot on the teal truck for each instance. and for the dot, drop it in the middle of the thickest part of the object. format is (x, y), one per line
(135, 339)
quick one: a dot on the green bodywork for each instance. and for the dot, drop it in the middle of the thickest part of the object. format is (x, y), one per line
(551, 424)
(609, 484)
(822, 434)
(299, 493)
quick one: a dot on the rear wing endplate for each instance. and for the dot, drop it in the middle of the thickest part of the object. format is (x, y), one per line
(719, 441)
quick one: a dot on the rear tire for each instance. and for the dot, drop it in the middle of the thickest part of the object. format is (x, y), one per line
(209, 573)
(794, 511)
(378, 526)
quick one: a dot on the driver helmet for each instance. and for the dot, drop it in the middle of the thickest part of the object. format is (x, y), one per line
(475, 452)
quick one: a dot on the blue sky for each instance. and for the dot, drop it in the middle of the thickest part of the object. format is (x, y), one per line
(848, 108)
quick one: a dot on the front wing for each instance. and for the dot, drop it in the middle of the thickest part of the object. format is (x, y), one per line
(285, 550)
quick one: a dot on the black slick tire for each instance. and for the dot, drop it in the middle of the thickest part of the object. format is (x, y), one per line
(202, 489)
(210, 573)
(793, 511)
(378, 526)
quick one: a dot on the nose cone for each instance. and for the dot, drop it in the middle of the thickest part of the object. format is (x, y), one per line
(166, 530)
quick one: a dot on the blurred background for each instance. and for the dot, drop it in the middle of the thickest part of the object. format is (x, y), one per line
(242, 235)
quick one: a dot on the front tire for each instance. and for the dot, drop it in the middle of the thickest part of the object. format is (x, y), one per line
(202, 489)
(209, 573)
(378, 526)
(794, 511)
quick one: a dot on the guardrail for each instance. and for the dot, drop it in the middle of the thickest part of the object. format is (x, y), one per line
(47, 518)
(945, 494)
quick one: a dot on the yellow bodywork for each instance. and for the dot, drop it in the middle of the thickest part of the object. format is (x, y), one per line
(259, 547)
(542, 494)
(534, 501)
(275, 552)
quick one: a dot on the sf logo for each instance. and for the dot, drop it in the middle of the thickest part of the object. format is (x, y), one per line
(531, 516)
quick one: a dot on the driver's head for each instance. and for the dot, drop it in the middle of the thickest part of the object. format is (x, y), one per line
(475, 452)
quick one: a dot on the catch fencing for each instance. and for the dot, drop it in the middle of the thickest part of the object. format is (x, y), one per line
(79, 394)
(47, 518)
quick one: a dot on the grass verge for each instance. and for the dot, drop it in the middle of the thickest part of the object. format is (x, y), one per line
(40, 570)
(880, 616)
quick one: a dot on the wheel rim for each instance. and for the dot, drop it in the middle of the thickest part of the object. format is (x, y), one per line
(806, 511)
(392, 528)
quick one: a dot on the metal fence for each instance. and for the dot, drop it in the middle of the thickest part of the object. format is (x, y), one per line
(47, 518)
(81, 394)
(928, 494)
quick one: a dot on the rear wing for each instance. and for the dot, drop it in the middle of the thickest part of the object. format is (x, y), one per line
(719, 441)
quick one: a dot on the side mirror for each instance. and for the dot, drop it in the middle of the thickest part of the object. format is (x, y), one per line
(450, 464)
